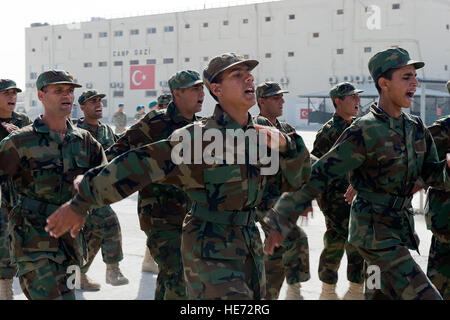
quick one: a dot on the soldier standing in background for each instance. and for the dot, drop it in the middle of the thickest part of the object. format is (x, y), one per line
(387, 151)
(152, 105)
(437, 215)
(162, 208)
(164, 100)
(140, 113)
(10, 121)
(221, 244)
(333, 205)
(102, 228)
(43, 160)
(120, 120)
(291, 260)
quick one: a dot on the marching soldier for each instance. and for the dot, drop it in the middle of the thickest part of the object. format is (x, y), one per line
(10, 121)
(386, 151)
(332, 203)
(221, 245)
(291, 260)
(162, 208)
(437, 215)
(43, 160)
(102, 228)
(140, 113)
(120, 120)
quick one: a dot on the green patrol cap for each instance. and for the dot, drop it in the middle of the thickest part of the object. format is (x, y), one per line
(55, 77)
(448, 86)
(223, 62)
(89, 94)
(6, 84)
(268, 89)
(184, 79)
(164, 99)
(392, 58)
(121, 105)
(343, 89)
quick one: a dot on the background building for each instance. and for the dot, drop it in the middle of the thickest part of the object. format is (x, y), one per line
(306, 45)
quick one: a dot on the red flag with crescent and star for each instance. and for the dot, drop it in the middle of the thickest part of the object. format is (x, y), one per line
(142, 77)
(303, 113)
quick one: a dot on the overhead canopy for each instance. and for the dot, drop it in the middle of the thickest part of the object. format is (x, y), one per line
(370, 92)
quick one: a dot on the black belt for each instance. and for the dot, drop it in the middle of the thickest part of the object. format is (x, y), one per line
(387, 200)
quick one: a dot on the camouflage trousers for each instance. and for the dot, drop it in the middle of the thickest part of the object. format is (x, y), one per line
(46, 281)
(290, 261)
(217, 266)
(102, 230)
(334, 245)
(164, 243)
(438, 269)
(7, 269)
(401, 277)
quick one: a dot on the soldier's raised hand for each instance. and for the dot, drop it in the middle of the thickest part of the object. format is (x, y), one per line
(9, 127)
(274, 239)
(350, 194)
(63, 220)
(275, 139)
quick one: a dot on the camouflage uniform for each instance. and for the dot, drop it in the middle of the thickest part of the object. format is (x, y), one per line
(221, 246)
(437, 217)
(162, 208)
(120, 121)
(386, 157)
(138, 116)
(333, 206)
(43, 168)
(291, 260)
(164, 99)
(102, 227)
(20, 120)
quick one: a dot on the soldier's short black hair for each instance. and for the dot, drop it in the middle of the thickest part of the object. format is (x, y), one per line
(386, 75)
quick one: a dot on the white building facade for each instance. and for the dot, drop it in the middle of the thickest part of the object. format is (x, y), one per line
(306, 45)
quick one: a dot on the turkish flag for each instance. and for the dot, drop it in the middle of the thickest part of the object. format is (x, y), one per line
(142, 77)
(303, 113)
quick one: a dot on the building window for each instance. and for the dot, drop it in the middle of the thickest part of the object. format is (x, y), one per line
(118, 33)
(33, 75)
(102, 64)
(59, 37)
(205, 58)
(134, 62)
(268, 19)
(446, 67)
(118, 94)
(268, 55)
(88, 64)
(245, 21)
(340, 51)
(168, 29)
(150, 93)
(225, 22)
(134, 32)
(103, 34)
(340, 11)
(168, 60)
(292, 17)
(368, 49)
(187, 26)
(448, 27)
(33, 103)
(151, 61)
(187, 59)
(395, 6)
(291, 54)
(316, 34)
(88, 35)
(246, 56)
(205, 25)
(46, 38)
(151, 30)
(33, 50)
(118, 63)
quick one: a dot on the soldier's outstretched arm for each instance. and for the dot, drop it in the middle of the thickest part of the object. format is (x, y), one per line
(115, 181)
(348, 154)
(9, 159)
(435, 174)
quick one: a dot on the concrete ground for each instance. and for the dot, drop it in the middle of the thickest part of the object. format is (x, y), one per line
(142, 284)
